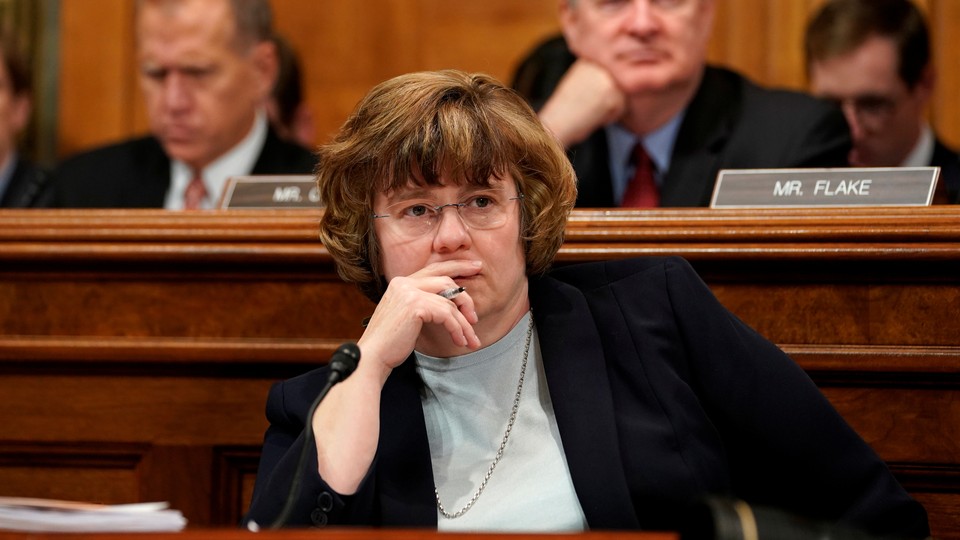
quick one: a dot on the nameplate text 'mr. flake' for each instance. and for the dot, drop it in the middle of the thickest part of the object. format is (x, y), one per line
(758, 188)
(265, 191)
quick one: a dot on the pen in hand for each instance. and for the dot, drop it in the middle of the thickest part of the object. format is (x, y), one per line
(451, 292)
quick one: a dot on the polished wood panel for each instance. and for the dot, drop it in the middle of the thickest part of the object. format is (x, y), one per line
(137, 346)
(347, 47)
(342, 534)
(105, 472)
(96, 96)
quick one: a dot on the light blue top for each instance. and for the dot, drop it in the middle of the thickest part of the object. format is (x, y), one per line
(467, 404)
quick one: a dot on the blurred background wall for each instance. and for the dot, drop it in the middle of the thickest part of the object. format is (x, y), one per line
(83, 52)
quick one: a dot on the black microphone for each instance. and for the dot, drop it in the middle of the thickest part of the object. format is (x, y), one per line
(342, 364)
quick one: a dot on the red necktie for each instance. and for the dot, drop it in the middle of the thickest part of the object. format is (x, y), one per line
(194, 194)
(642, 191)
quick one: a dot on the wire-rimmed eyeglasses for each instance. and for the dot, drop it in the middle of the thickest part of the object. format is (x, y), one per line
(482, 210)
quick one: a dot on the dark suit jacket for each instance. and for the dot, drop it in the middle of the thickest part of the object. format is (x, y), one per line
(136, 173)
(27, 183)
(661, 397)
(541, 70)
(731, 123)
(948, 186)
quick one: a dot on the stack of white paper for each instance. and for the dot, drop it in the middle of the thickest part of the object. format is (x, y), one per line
(46, 515)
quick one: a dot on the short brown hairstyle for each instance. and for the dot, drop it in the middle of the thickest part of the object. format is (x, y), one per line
(418, 127)
(843, 25)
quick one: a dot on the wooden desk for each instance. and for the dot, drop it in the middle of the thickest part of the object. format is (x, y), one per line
(137, 347)
(340, 534)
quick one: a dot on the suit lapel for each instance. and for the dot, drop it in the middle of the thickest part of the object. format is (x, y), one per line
(591, 160)
(698, 151)
(265, 163)
(576, 374)
(405, 483)
(948, 186)
(26, 185)
(150, 189)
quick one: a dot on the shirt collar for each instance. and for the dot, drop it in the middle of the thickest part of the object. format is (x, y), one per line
(658, 144)
(238, 161)
(922, 153)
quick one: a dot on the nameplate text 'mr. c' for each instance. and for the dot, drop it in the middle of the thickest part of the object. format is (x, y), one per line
(270, 191)
(772, 188)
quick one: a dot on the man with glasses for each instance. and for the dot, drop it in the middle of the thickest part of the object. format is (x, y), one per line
(873, 57)
(648, 123)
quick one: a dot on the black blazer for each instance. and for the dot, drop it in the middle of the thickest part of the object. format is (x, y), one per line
(136, 173)
(27, 184)
(661, 396)
(731, 123)
(948, 185)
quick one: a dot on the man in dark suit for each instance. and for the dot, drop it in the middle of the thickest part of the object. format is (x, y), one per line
(20, 181)
(638, 79)
(207, 68)
(873, 57)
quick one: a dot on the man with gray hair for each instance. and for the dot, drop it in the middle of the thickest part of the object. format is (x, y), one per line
(207, 68)
(648, 123)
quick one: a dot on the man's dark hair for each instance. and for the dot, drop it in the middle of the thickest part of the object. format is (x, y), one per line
(843, 25)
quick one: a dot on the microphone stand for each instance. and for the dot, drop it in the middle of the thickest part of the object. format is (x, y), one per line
(342, 364)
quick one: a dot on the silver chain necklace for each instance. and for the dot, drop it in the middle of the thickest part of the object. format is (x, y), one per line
(503, 443)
